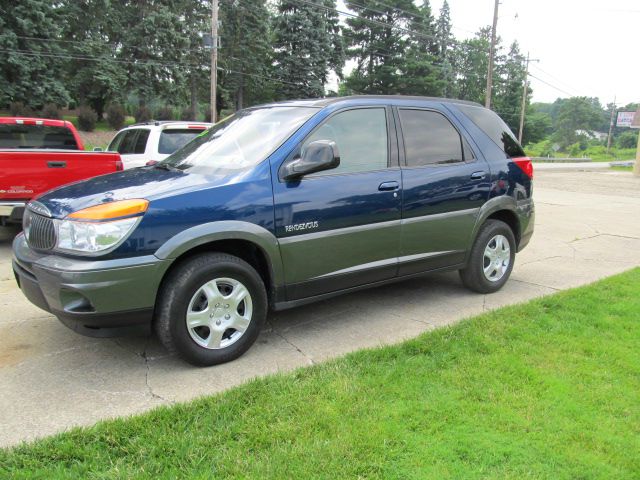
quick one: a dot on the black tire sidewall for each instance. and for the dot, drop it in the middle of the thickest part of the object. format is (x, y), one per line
(194, 275)
(473, 275)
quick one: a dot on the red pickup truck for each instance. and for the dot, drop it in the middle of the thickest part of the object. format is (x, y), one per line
(37, 155)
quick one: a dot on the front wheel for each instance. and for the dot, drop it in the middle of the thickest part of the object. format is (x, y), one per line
(491, 258)
(211, 309)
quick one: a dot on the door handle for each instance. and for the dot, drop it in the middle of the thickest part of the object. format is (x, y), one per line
(388, 186)
(478, 175)
(57, 164)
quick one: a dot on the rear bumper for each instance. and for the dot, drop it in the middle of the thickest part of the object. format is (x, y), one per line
(527, 217)
(12, 211)
(92, 297)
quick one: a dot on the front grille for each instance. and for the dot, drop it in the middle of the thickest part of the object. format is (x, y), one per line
(41, 231)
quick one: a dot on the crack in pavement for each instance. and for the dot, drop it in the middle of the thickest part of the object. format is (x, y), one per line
(605, 235)
(307, 357)
(536, 284)
(146, 375)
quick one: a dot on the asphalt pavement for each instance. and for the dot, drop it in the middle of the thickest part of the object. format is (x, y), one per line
(587, 227)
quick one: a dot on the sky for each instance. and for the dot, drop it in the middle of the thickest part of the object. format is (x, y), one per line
(584, 47)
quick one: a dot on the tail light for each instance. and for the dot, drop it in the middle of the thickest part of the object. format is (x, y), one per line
(119, 166)
(525, 165)
(151, 163)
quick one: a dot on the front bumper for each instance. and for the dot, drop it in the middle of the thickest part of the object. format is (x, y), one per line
(12, 212)
(92, 297)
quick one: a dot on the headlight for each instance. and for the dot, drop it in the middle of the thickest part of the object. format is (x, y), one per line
(101, 227)
(93, 237)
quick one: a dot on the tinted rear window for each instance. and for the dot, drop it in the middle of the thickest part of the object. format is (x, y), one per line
(429, 138)
(498, 131)
(36, 136)
(173, 139)
(130, 142)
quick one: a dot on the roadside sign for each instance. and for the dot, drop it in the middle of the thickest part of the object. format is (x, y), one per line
(635, 123)
(625, 119)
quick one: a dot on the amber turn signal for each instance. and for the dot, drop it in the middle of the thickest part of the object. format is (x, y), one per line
(117, 209)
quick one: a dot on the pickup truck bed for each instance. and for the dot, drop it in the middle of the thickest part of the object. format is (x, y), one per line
(37, 155)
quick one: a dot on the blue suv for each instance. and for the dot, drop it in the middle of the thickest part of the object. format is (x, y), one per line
(277, 206)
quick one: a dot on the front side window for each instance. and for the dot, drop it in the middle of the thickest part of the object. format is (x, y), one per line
(429, 138)
(361, 137)
(240, 141)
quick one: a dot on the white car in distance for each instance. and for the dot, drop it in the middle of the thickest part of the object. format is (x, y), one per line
(153, 141)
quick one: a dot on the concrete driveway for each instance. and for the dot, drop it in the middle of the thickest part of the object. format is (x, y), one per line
(587, 227)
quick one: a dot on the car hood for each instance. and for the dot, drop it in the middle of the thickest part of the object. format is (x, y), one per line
(151, 183)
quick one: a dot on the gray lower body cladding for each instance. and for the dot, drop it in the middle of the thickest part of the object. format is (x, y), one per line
(90, 296)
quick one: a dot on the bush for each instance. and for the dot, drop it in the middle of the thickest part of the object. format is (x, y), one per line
(19, 109)
(143, 114)
(164, 113)
(115, 116)
(207, 114)
(51, 110)
(186, 115)
(87, 119)
(628, 139)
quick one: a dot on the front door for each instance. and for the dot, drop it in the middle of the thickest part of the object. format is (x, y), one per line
(340, 228)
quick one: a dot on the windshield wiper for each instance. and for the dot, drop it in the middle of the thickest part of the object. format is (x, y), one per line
(166, 166)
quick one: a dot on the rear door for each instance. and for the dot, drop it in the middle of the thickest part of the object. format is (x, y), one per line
(340, 228)
(445, 182)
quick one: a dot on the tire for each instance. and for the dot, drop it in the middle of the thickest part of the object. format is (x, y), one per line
(225, 302)
(493, 233)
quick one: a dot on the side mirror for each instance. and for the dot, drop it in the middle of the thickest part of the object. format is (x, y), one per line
(97, 149)
(317, 156)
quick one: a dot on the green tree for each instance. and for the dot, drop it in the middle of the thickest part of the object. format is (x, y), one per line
(509, 81)
(576, 113)
(470, 65)
(537, 126)
(378, 43)
(30, 67)
(308, 46)
(446, 44)
(93, 75)
(421, 74)
(246, 52)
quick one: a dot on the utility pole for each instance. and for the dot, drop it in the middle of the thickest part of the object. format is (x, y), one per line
(214, 58)
(487, 101)
(525, 90)
(613, 113)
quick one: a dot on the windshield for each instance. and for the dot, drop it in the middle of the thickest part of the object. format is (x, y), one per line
(240, 141)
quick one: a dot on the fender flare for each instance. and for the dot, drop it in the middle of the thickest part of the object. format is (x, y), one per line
(226, 230)
(493, 205)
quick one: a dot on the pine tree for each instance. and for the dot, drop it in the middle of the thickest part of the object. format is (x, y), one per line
(30, 63)
(421, 74)
(308, 46)
(378, 44)
(246, 53)
(509, 82)
(446, 44)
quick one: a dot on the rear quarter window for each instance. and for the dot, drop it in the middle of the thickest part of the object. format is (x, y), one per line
(495, 128)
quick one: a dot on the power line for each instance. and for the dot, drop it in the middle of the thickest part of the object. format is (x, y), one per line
(557, 79)
(368, 20)
(142, 62)
(552, 86)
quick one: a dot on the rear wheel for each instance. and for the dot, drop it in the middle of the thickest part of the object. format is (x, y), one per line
(211, 309)
(491, 258)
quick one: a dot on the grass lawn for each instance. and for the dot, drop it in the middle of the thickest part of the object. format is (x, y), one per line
(547, 389)
(622, 169)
